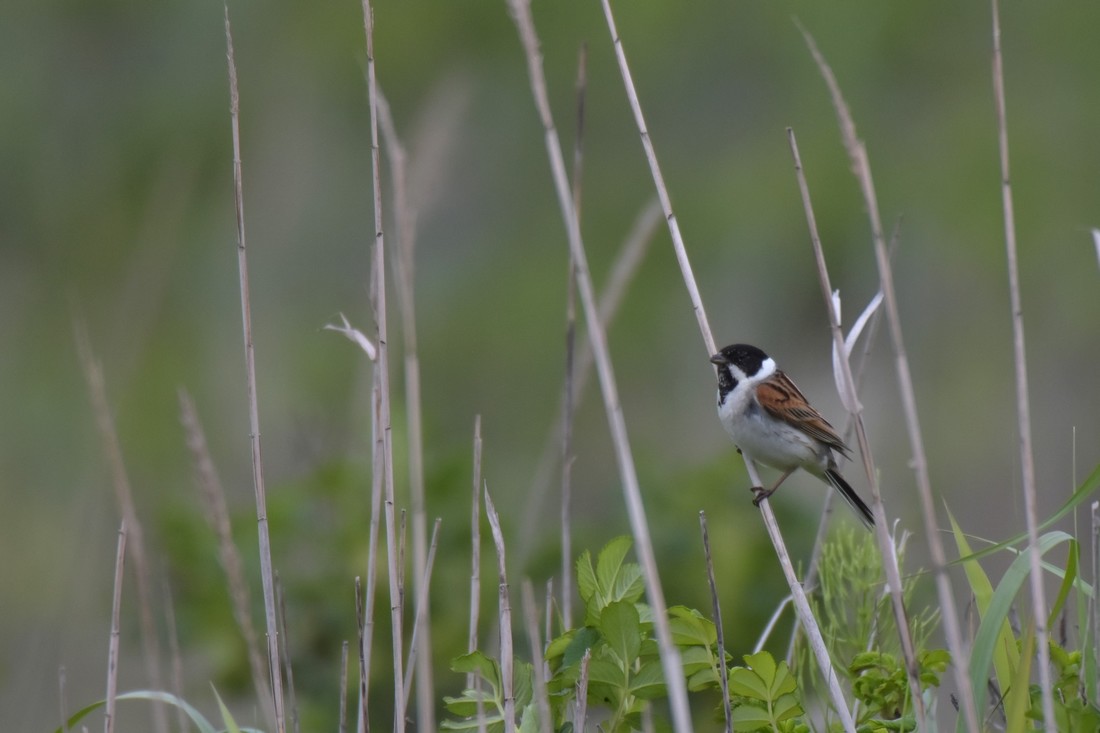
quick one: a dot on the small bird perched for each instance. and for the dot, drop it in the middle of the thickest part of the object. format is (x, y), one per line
(772, 422)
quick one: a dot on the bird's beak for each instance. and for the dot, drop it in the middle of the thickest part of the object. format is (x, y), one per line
(718, 359)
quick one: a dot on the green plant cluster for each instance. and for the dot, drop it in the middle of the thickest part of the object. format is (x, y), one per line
(613, 661)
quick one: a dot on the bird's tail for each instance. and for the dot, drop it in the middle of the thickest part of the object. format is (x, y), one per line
(851, 497)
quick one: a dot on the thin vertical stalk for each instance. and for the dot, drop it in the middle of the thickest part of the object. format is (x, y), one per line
(342, 727)
(112, 645)
(124, 497)
(802, 606)
(531, 622)
(857, 154)
(505, 611)
(404, 262)
(1023, 400)
(475, 549)
(420, 619)
(382, 367)
(670, 657)
(882, 526)
(274, 668)
(723, 679)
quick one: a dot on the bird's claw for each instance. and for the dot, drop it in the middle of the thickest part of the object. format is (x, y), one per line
(759, 494)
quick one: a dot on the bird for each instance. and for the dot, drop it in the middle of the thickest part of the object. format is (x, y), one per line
(772, 422)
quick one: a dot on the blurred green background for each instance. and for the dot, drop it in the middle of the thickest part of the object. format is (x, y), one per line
(116, 209)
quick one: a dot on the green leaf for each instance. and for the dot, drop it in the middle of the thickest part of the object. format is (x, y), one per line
(785, 707)
(746, 683)
(586, 577)
(529, 720)
(466, 705)
(196, 717)
(476, 662)
(749, 717)
(619, 625)
(1089, 485)
(1015, 712)
(227, 717)
(690, 628)
(608, 672)
(764, 665)
(648, 682)
(522, 683)
(584, 639)
(1068, 578)
(610, 562)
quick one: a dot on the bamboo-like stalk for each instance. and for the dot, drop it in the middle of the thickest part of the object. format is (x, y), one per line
(1094, 603)
(531, 622)
(801, 604)
(124, 498)
(364, 657)
(475, 549)
(404, 262)
(670, 657)
(112, 645)
(581, 714)
(292, 699)
(857, 154)
(382, 371)
(266, 573)
(216, 511)
(342, 727)
(723, 680)
(505, 616)
(420, 620)
(882, 526)
(1023, 400)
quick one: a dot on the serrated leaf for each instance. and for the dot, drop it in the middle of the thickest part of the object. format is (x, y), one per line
(689, 627)
(749, 717)
(746, 683)
(610, 563)
(619, 626)
(764, 665)
(607, 672)
(584, 639)
(586, 577)
(648, 682)
(476, 662)
(522, 683)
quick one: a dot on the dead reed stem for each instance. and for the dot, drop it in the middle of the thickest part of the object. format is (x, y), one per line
(531, 622)
(112, 645)
(1023, 400)
(124, 497)
(382, 371)
(857, 154)
(420, 620)
(670, 657)
(505, 611)
(405, 266)
(802, 606)
(882, 525)
(266, 574)
(475, 549)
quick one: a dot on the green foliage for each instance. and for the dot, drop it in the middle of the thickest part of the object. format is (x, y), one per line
(765, 696)
(880, 683)
(197, 718)
(489, 701)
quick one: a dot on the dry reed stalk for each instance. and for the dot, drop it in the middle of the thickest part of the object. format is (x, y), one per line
(420, 620)
(405, 262)
(112, 645)
(124, 497)
(802, 606)
(266, 574)
(581, 714)
(851, 401)
(723, 680)
(292, 699)
(1023, 400)
(505, 617)
(670, 657)
(475, 549)
(626, 264)
(342, 727)
(216, 511)
(378, 289)
(364, 659)
(531, 623)
(857, 154)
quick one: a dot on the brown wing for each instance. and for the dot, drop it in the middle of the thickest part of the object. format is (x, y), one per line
(781, 399)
